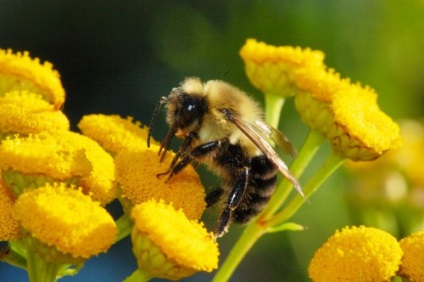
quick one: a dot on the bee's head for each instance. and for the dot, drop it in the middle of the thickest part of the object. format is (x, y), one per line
(185, 108)
(185, 111)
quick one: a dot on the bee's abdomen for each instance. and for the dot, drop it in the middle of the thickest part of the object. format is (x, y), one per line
(261, 186)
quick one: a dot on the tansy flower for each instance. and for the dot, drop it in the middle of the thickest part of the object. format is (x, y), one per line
(347, 114)
(27, 113)
(9, 228)
(113, 132)
(136, 173)
(18, 71)
(356, 254)
(271, 68)
(100, 182)
(169, 245)
(63, 225)
(32, 161)
(412, 266)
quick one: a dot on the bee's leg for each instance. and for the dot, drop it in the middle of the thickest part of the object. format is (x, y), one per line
(198, 152)
(213, 197)
(181, 152)
(234, 200)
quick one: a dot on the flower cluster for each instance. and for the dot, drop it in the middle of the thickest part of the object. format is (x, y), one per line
(368, 254)
(55, 185)
(347, 114)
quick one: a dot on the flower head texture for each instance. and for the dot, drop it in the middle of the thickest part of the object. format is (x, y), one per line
(412, 266)
(18, 71)
(9, 228)
(136, 172)
(347, 114)
(113, 132)
(271, 69)
(64, 223)
(356, 254)
(41, 156)
(27, 113)
(169, 245)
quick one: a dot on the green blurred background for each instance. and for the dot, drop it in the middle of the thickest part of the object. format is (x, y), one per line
(120, 57)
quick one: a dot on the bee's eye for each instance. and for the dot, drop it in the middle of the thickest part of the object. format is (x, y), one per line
(191, 110)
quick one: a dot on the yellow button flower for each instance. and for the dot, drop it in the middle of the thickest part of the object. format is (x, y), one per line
(356, 254)
(18, 71)
(412, 266)
(27, 113)
(271, 69)
(136, 175)
(347, 114)
(169, 245)
(63, 225)
(9, 228)
(113, 132)
(27, 162)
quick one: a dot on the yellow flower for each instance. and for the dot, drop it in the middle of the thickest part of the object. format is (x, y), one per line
(100, 182)
(63, 225)
(18, 71)
(356, 254)
(114, 133)
(9, 228)
(32, 161)
(271, 69)
(136, 175)
(169, 245)
(347, 114)
(361, 131)
(412, 266)
(27, 113)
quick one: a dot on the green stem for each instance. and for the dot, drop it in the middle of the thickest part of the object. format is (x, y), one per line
(273, 107)
(125, 225)
(309, 148)
(39, 269)
(250, 235)
(14, 258)
(138, 275)
(330, 165)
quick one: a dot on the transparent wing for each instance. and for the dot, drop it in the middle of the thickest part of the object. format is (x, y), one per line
(276, 136)
(263, 144)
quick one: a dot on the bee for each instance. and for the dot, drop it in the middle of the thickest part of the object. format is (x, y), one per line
(223, 128)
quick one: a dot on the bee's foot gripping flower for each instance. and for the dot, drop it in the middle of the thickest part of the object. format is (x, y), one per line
(140, 183)
(356, 254)
(169, 245)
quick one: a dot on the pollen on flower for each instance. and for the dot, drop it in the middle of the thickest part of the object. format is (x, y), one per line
(9, 229)
(412, 266)
(43, 155)
(18, 71)
(361, 131)
(356, 253)
(113, 132)
(136, 173)
(180, 246)
(27, 113)
(271, 69)
(66, 220)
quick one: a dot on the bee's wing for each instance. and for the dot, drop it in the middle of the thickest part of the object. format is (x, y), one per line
(251, 132)
(276, 136)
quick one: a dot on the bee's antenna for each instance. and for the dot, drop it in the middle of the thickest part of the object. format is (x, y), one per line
(155, 114)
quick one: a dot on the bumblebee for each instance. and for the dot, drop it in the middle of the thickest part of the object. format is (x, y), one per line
(223, 128)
